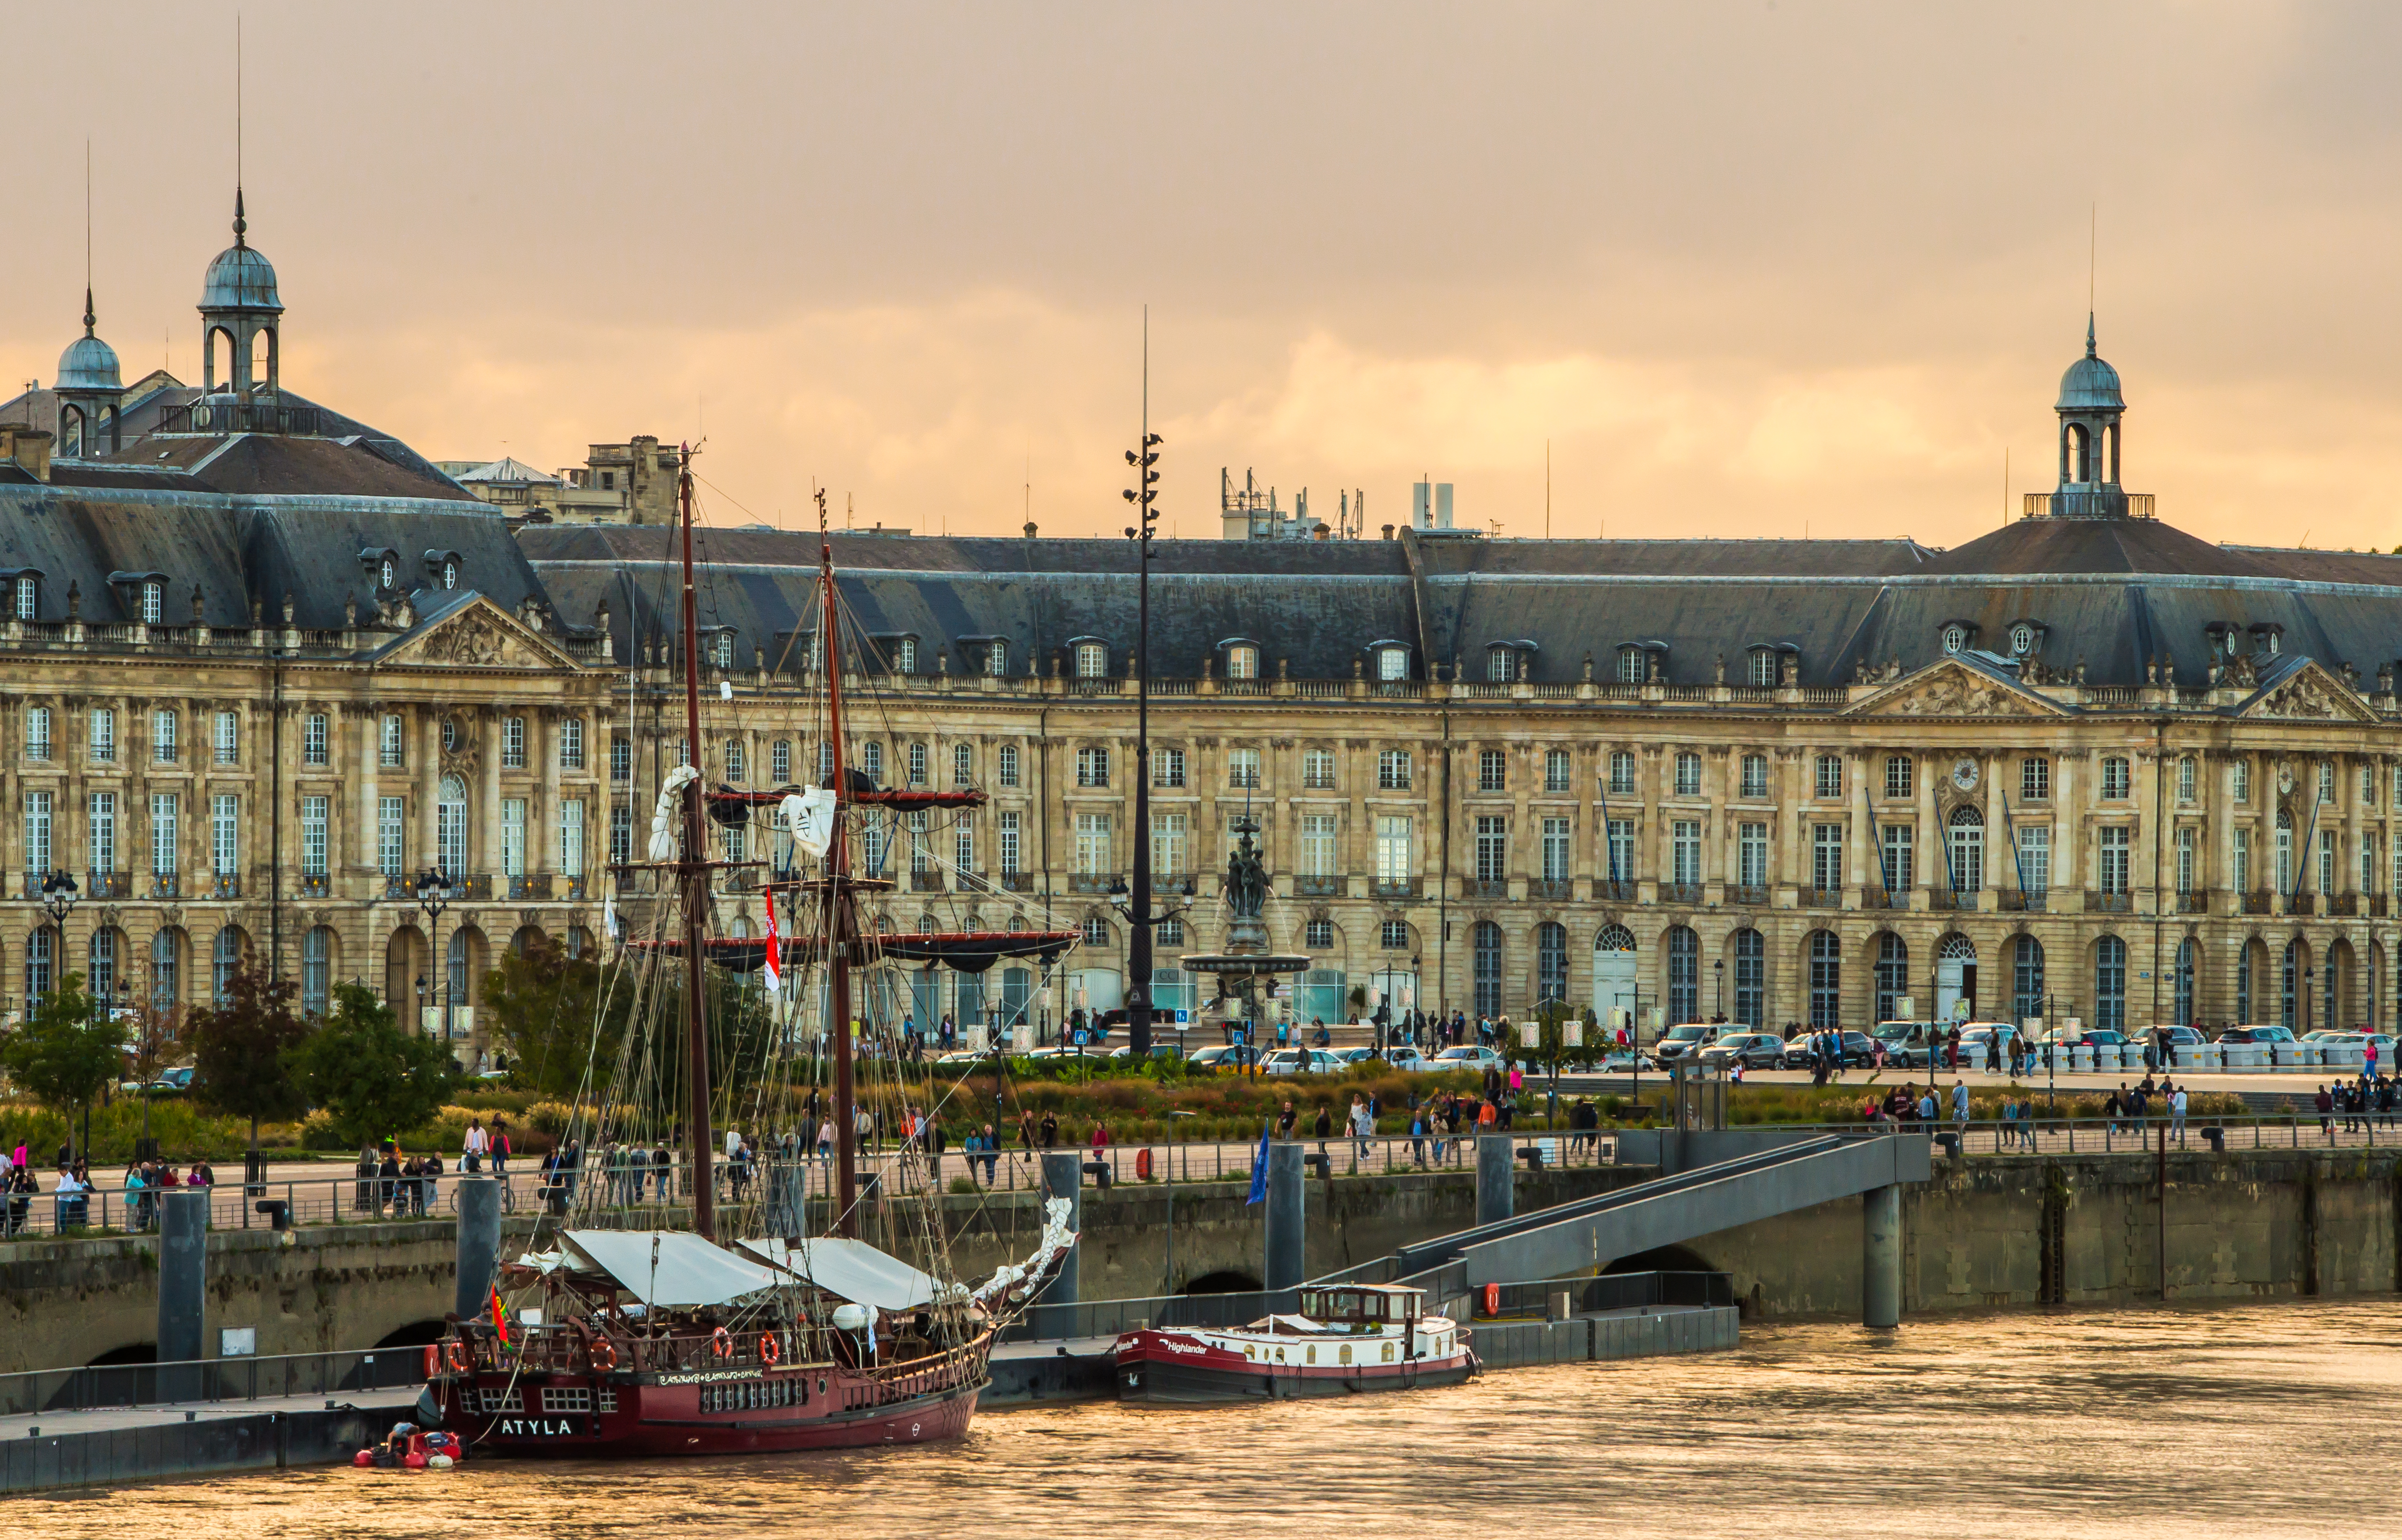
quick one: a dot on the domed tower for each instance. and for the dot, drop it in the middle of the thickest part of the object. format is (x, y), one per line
(239, 304)
(2090, 408)
(89, 392)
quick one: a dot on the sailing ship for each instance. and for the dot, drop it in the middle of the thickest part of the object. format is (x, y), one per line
(770, 1324)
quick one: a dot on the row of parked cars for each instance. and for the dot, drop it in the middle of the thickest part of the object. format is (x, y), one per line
(1912, 1045)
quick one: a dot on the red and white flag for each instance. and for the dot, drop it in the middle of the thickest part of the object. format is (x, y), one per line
(775, 945)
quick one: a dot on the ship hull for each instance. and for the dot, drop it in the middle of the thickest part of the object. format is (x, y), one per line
(1176, 1369)
(660, 1420)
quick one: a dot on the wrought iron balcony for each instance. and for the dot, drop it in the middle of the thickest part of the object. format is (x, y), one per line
(1822, 898)
(2193, 903)
(530, 887)
(315, 884)
(109, 885)
(1749, 895)
(1614, 890)
(578, 889)
(1960, 900)
(1680, 892)
(2261, 902)
(1488, 887)
(476, 889)
(223, 884)
(2343, 903)
(1882, 898)
(926, 881)
(1393, 887)
(1017, 882)
(1551, 887)
(1091, 882)
(2302, 903)
(397, 886)
(2109, 903)
(163, 885)
(1317, 887)
(2017, 903)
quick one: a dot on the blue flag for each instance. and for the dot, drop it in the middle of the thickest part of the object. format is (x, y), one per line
(1259, 1172)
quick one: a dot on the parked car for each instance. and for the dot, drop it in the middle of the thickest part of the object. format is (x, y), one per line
(1976, 1035)
(1905, 1042)
(1403, 1056)
(1468, 1056)
(1858, 1050)
(1158, 1051)
(1619, 1061)
(1678, 1042)
(2258, 1035)
(1753, 1050)
(1302, 1060)
(1223, 1056)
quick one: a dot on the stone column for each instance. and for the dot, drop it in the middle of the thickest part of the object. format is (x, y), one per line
(2001, 854)
(1063, 1177)
(2068, 822)
(1881, 1257)
(368, 745)
(1287, 1254)
(479, 1243)
(1495, 1177)
(183, 1290)
(1929, 857)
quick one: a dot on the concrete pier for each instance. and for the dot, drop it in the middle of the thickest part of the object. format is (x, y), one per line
(479, 1243)
(1286, 1264)
(1063, 1177)
(1881, 1257)
(1495, 1179)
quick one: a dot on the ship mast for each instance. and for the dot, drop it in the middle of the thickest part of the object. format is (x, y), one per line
(691, 873)
(838, 927)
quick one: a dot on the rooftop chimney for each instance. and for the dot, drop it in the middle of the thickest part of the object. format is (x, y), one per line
(28, 447)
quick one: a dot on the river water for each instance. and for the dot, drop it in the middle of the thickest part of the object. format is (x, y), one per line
(2269, 1421)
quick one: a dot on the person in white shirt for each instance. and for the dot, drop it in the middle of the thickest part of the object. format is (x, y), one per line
(475, 1146)
(2177, 1114)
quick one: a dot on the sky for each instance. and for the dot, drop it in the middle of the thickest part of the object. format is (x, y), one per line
(1759, 268)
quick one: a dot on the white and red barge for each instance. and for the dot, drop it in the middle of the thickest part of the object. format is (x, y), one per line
(1340, 1341)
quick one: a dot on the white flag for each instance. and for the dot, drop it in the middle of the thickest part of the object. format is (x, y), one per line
(608, 916)
(811, 818)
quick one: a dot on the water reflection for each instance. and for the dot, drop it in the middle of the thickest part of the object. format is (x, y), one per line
(2257, 1420)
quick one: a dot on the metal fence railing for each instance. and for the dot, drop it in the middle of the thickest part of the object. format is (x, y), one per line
(2046, 1134)
(245, 1379)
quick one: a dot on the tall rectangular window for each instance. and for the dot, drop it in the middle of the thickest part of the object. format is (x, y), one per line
(227, 746)
(1011, 860)
(1168, 845)
(1492, 848)
(2326, 861)
(1621, 773)
(313, 836)
(392, 828)
(2243, 779)
(962, 765)
(1755, 775)
(1685, 851)
(163, 833)
(1829, 776)
(1393, 770)
(1751, 854)
(1243, 769)
(2114, 779)
(1620, 837)
(1318, 844)
(2238, 861)
(2110, 852)
(1317, 770)
(391, 741)
(780, 759)
(1092, 768)
(513, 836)
(1095, 855)
(621, 760)
(2035, 780)
(571, 836)
(2034, 859)
(1393, 857)
(513, 743)
(1689, 774)
(621, 835)
(964, 843)
(102, 834)
(1896, 856)
(1826, 856)
(916, 765)
(37, 832)
(737, 762)
(162, 736)
(37, 733)
(1492, 771)
(316, 733)
(2369, 863)
(1898, 776)
(1009, 772)
(225, 835)
(1557, 836)
(2185, 857)
(104, 735)
(2326, 781)
(2188, 778)
(1555, 770)
(571, 745)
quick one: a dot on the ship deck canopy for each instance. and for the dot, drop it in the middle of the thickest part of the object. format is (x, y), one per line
(850, 1270)
(669, 1270)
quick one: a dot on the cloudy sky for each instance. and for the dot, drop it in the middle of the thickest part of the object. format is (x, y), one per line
(1748, 268)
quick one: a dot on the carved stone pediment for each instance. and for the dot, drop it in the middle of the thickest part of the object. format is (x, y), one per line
(2309, 693)
(481, 636)
(1953, 689)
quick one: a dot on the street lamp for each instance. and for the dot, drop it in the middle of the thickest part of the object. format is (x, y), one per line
(1144, 495)
(433, 890)
(1719, 967)
(59, 896)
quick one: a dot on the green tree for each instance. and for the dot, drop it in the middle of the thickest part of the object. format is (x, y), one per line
(544, 1004)
(242, 1050)
(374, 1077)
(60, 1055)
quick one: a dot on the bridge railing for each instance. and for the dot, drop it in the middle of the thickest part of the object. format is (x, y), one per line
(239, 1379)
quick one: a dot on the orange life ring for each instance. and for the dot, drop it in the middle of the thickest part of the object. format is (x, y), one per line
(721, 1344)
(1142, 1163)
(604, 1355)
(1493, 1299)
(458, 1359)
(770, 1349)
(433, 1360)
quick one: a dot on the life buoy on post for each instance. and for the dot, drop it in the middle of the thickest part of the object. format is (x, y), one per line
(1493, 1299)
(458, 1356)
(721, 1344)
(770, 1349)
(603, 1354)
(1142, 1163)
(433, 1360)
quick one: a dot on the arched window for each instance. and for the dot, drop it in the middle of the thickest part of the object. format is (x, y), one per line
(1392, 663)
(316, 969)
(1750, 978)
(1092, 660)
(1892, 976)
(1552, 961)
(1954, 637)
(1684, 975)
(100, 981)
(2021, 639)
(225, 961)
(71, 432)
(461, 975)
(2079, 469)
(29, 597)
(2111, 984)
(1967, 850)
(388, 572)
(41, 953)
(166, 957)
(450, 828)
(1630, 665)
(2186, 957)
(1487, 947)
(2026, 978)
(2284, 851)
(1826, 979)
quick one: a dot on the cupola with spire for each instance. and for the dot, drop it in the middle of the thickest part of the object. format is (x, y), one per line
(2090, 408)
(89, 390)
(239, 306)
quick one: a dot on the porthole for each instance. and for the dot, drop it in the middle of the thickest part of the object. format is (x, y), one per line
(1954, 637)
(2021, 640)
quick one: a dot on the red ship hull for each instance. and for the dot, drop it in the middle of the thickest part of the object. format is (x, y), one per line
(811, 1407)
(1188, 1366)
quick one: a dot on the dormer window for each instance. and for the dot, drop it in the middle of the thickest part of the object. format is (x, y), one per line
(449, 572)
(1496, 666)
(1392, 663)
(1092, 660)
(1630, 665)
(1954, 637)
(1763, 668)
(1243, 661)
(904, 655)
(2021, 639)
(154, 602)
(29, 594)
(996, 659)
(722, 650)
(2276, 643)
(387, 573)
